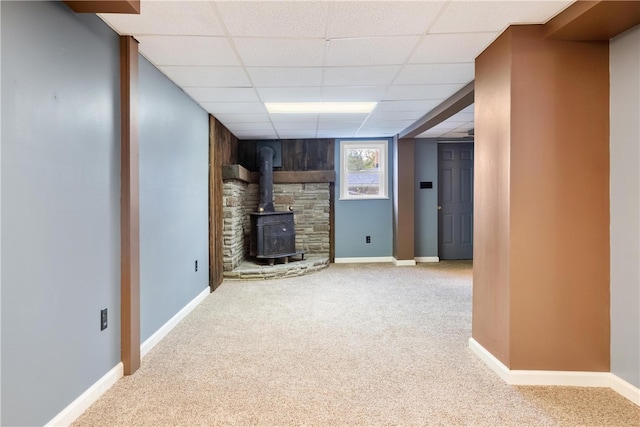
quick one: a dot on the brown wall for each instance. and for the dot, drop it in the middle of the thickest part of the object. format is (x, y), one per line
(490, 324)
(559, 203)
(541, 265)
(297, 154)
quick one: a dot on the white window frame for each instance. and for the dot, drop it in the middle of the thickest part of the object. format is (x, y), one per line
(383, 161)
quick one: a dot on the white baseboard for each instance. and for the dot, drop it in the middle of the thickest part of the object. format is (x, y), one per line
(560, 378)
(427, 259)
(358, 260)
(154, 339)
(490, 360)
(625, 389)
(86, 399)
(556, 378)
(403, 262)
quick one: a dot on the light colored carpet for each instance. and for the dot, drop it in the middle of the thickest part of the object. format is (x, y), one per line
(364, 345)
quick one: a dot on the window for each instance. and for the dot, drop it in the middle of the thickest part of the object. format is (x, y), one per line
(363, 169)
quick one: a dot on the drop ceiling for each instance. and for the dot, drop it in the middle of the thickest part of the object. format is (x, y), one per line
(233, 56)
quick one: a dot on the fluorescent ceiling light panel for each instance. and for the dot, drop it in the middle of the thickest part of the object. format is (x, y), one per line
(320, 107)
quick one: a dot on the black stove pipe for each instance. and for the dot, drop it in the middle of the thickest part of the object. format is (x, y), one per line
(266, 179)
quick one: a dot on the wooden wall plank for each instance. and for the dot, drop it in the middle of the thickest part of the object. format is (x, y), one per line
(129, 207)
(297, 154)
(220, 140)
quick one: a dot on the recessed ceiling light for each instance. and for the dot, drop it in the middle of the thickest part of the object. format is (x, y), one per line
(320, 107)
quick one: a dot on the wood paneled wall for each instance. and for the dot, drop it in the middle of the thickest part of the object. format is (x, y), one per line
(223, 149)
(297, 154)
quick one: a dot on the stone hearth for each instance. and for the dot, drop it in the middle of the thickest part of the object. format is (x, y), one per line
(308, 201)
(249, 270)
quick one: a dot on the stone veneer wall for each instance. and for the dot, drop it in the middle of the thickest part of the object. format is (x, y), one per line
(310, 203)
(233, 195)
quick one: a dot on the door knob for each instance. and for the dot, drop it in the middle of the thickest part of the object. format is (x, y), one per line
(439, 208)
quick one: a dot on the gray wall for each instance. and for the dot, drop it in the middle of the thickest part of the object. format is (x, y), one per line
(174, 215)
(625, 205)
(356, 219)
(426, 200)
(60, 207)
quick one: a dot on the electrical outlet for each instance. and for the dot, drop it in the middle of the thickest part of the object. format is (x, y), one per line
(368, 239)
(103, 319)
(196, 265)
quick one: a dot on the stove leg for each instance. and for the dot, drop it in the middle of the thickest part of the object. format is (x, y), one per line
(272, 261)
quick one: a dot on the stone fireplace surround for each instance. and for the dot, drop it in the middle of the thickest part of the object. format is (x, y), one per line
(310, 203)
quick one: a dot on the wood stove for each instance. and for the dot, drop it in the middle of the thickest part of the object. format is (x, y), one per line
(272, 233)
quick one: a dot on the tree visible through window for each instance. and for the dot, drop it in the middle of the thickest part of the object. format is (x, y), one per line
(364, 170)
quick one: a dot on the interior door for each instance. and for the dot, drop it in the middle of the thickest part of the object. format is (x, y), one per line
(455, 200)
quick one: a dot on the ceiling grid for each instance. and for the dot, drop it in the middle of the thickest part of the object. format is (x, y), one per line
(409, 56)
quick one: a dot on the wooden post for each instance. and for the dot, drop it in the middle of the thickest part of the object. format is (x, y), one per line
(129, 207)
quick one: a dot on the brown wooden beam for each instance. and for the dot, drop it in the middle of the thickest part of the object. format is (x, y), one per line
(454, 104)
(129, 207)
(236, 172)
(593, 20)
(105, 6)
(298, 177)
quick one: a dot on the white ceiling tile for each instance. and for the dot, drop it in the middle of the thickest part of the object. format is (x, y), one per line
(370, 51)
(466, 127)
(380, 18)
(293, 94)
(431, 133)
(396, 115)
(335, 134)
(280, 52)
(387, 124)
(418, 105)
(352, 93)
(282, 76)
(294, 125)
(166, 17)
(233, 107)
(360, 76)
(437, 48)
(207, 76)
(222, 94)
(290, 117)
(297, 134)
(412, 92)
(478, 16)
(187, 50)
(462, 116)
(342, 126)
(436, 74)
(274, 18)
(438, 130)
(352, 117)
(365, 133)
(242, 118)
(455, 135)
